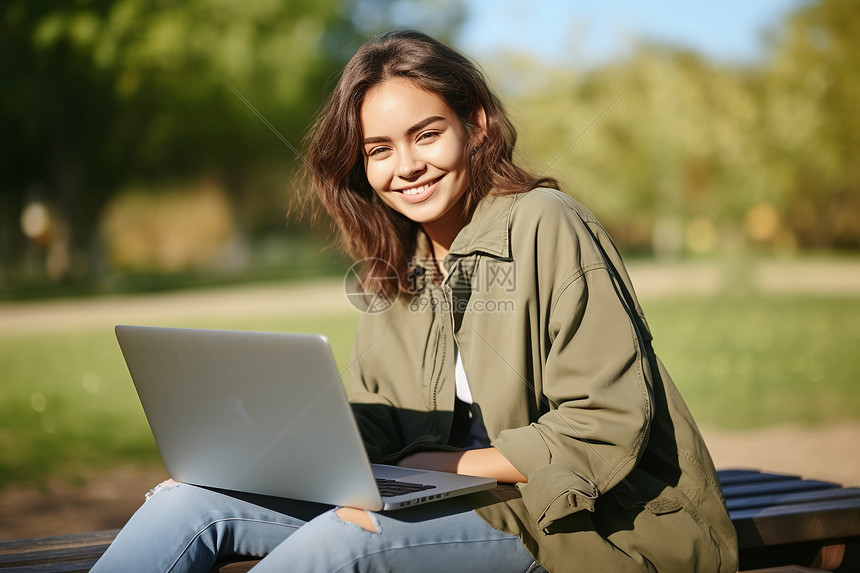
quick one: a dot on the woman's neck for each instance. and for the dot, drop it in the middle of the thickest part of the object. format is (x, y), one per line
(443, 231)
(441, 238)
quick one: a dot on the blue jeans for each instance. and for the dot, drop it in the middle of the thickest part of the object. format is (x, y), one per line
(188, 528)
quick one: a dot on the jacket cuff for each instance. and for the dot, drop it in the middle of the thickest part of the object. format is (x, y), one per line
(554, 492)
(524, 448)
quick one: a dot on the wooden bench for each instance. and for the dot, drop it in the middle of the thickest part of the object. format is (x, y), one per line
(785, 520)
(784, 523)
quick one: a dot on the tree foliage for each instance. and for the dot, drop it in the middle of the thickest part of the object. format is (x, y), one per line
(812, 121)
(103, 94)
(700, 156)
(674, 152)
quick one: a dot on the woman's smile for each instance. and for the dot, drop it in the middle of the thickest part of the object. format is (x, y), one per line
(420, 192)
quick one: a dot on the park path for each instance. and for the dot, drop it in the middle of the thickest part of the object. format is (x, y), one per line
(652, 280)
(249, 301)
(106, 500)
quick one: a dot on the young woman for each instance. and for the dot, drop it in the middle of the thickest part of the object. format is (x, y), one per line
(511, 345)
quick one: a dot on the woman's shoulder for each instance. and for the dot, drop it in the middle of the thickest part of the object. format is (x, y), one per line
(546, 205)
(558, 228)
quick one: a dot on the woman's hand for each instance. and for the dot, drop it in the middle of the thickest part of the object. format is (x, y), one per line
(485, 462)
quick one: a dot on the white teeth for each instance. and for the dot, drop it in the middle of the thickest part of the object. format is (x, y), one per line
(416, 190)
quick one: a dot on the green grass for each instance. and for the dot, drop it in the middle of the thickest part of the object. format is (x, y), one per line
(752, 361)
(67, 402)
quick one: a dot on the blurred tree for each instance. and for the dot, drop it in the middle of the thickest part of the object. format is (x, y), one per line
(698, 156)
(662, 141)
(101, 94)
(812, 121)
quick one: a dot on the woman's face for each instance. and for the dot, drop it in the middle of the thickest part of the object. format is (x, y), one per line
(415, 155)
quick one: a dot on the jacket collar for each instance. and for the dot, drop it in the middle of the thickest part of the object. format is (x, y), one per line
(488, 230)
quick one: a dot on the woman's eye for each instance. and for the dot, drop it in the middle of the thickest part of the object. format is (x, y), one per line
(428, 136)
(377, 151)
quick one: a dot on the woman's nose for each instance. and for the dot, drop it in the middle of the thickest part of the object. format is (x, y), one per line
(409, 166)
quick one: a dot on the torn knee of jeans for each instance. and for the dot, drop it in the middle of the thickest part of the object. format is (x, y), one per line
(163, 486)
(363, 518)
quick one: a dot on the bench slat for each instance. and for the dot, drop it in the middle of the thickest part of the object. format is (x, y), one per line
(765, 500)
(817, 507)
(760, 488)
(795, 523)
(47, 556)
(58, 541)
(732, 477)
(56, 554)
(788, 569)
(74, 566)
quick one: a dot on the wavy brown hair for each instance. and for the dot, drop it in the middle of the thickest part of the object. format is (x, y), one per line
(369, 228)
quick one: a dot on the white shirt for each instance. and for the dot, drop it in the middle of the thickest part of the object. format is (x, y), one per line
(477, 431)
(463, 391)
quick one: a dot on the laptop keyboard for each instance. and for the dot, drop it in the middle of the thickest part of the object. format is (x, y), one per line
(391, 488)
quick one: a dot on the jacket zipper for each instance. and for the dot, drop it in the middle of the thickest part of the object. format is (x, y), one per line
(436, 386)
(449, 303)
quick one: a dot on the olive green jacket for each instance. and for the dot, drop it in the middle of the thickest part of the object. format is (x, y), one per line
(558, 357)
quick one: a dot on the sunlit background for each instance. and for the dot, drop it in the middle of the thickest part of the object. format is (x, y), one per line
(151, 147)
(721, 128)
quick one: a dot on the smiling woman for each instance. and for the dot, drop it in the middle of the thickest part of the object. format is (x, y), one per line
(525, 359)
(470, 125)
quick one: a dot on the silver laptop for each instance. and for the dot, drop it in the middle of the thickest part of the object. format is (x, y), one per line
(265, 413)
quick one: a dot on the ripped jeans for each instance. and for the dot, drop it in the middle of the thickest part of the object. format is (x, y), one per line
(189, 528)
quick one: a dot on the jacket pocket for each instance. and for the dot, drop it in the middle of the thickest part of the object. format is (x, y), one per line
(664, 528)
(554, 492)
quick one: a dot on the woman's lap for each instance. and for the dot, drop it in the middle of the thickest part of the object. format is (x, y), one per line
(187, 528)
(434, 537)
